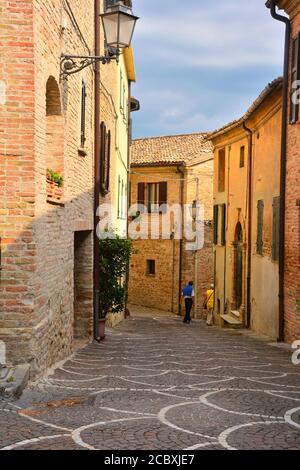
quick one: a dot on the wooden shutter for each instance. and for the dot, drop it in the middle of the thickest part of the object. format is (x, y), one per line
(260, 227)
(119, 196)
(107, 160)
(216, 223)
(295, 75)
(141, 194)
(82, 124)
(163, 196)
(223, 232)
(102, 155)
(276, 229)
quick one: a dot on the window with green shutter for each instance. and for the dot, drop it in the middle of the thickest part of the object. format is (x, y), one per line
(276, 228)
(216, 224)
(119, 197)
(223, 227)
(260, 227)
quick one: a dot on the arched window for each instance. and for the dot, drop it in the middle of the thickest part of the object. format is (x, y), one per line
(54, 128)
(54, 132)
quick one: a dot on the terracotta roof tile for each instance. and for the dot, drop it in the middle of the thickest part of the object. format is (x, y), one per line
(185, 149)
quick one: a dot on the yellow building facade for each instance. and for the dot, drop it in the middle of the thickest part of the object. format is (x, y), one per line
(246, 216)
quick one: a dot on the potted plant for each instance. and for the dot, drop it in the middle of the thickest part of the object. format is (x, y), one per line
(115, 253)
(55, 183)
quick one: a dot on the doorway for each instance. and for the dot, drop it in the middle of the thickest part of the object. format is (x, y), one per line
(83, 284)
(238, 266)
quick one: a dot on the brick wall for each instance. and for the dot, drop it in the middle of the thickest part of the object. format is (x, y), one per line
(37, 238)
(292, 266)
(161, 291)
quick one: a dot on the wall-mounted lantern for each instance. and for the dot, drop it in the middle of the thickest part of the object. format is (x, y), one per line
(118, 24)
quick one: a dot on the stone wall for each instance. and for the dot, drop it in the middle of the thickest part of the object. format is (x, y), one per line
(162, 290)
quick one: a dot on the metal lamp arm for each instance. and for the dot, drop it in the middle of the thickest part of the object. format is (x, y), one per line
(71, 64)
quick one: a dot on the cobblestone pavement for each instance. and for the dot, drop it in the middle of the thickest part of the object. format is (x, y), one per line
(155, 383)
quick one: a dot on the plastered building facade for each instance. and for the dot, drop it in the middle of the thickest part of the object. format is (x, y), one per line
(246, 216)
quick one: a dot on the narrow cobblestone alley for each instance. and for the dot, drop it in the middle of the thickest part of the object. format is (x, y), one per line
(156, 383)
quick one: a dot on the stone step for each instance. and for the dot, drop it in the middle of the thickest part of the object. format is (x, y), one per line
(232, 321)
(235, 313)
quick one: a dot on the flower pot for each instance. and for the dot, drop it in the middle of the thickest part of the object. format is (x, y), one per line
(54, 192)
(101, 328)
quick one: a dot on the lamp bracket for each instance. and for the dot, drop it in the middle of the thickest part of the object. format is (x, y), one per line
(71, 64)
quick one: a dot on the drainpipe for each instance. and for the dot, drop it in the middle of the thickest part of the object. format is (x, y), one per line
(179, 170)
(97, 144)
(287, 23)
(249, 260)
(128, 187)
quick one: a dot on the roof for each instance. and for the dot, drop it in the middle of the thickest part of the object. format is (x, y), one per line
(270, 88)
(290, 6)
(172, 150)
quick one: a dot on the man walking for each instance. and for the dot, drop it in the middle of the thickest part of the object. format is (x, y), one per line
(188, 295)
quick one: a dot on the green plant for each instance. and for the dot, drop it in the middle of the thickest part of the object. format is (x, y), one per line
(55, 177)
(10, 379)
(115, 253)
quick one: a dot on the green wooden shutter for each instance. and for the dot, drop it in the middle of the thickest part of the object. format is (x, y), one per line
(216, 217)
(260, 227)
(119, 196)
(223, 233)
(276, 228)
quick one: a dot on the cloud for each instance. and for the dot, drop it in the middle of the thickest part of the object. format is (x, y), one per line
(199, 62)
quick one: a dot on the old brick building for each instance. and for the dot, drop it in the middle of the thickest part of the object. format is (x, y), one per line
(172, 170)
(290, 174)
(47, 123)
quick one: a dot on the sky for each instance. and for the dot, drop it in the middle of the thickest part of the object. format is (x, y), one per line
(201, 63)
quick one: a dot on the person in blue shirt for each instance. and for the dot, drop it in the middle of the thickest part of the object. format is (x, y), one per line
(188, 294)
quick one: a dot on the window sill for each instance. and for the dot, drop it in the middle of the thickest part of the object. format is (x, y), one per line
(82, 152)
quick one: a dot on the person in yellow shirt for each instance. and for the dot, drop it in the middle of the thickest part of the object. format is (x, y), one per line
(209, 305)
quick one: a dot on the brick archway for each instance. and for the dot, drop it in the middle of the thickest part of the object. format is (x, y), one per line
(54, 127)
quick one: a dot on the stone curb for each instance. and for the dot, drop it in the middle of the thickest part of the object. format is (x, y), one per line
(14, 389)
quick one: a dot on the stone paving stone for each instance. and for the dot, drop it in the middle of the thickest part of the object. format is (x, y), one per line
(156, 384)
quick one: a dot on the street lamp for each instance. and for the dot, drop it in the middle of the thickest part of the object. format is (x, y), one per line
(118, 24)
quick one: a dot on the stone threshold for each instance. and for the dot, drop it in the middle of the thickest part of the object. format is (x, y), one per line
(13, 380)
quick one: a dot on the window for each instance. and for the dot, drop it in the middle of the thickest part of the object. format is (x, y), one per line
(223, 225)
(153, 195)
(276, 228)
(295, 75)
(119, 197)
(260, 222)
(122, 93)
(150, 269)
(216, 224)
(82, 122)
(242, 157)
(221, 171)
(105, 159)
